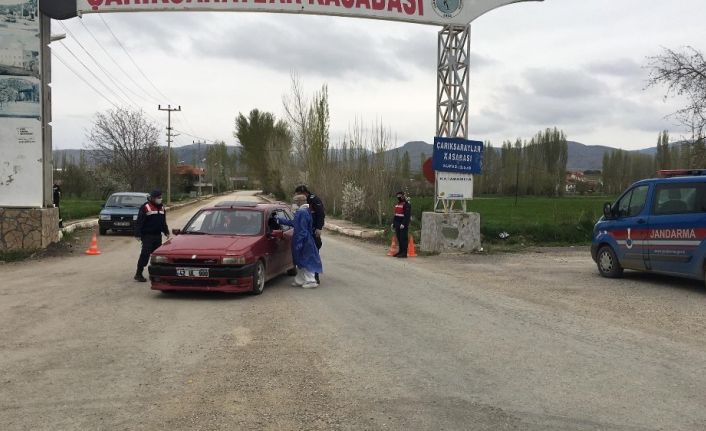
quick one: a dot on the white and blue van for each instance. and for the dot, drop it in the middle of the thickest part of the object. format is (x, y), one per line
(656, 225)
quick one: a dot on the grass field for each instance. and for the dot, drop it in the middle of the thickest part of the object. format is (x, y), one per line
(76, 209)
(534, 220)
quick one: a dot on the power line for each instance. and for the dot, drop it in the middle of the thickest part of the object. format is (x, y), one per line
(84, 80)
(131, 59)
(118, 85)
(125, 73)
(93, 73)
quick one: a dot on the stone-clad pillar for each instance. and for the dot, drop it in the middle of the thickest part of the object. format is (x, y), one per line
(28, 228)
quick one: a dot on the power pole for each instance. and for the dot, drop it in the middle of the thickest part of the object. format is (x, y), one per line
(169, 110)
(199, 164)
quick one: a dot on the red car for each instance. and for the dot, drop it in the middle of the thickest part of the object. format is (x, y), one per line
(231, 247)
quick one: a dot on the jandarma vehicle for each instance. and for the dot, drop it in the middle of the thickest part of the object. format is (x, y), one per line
(231, 247)
(656, 225)
(120, 212)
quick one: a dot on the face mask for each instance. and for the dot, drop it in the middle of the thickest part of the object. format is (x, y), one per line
(158, 201)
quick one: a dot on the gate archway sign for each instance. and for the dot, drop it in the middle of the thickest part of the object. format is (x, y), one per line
(434, 12)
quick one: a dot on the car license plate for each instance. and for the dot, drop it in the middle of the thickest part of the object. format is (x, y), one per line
(122, 223)
(192, 272)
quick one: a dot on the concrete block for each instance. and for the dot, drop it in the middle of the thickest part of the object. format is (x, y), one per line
(450, 232)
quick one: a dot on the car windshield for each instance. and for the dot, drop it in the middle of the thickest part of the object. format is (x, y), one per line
(225, 222)
(126, 201)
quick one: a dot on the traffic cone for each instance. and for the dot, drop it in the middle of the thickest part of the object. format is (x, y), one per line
(394, 248)
(411, 249)
(93, 249)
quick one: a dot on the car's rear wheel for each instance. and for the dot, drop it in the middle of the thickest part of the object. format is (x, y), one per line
(258, 279)
(608, 264)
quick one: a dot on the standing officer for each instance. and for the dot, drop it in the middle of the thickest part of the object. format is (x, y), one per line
(400, 223)
(318, 214)
(151, 224)
(56, 198)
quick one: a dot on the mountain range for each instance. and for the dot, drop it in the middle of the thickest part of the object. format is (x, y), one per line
(581, 157)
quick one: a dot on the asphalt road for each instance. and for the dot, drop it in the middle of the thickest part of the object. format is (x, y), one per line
(531, 341)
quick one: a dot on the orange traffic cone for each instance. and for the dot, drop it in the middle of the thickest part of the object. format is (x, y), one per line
(93, 249)
(394, 248)
(411, 249)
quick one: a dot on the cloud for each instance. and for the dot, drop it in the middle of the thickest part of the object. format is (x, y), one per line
(621, 67)
(563, 83)
(572, 99)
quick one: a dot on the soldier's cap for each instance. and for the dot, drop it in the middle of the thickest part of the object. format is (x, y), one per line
(155, 193)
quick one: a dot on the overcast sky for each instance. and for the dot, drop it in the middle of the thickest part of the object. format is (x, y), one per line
(575, 64)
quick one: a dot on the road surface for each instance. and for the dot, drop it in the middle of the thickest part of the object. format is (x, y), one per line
(531, 341)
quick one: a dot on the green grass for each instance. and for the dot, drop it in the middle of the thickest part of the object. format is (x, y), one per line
(533, 221)
(76, 209)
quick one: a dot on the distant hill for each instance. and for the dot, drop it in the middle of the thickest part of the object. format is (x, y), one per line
(188, 154)
(586, 157)
(581, 157)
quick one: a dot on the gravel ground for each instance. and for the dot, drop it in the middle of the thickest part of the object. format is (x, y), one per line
(529, 341)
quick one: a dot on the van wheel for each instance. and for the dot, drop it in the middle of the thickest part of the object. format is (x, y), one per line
(608, 264)
(258, 279)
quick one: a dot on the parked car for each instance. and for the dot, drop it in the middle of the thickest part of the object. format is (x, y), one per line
(119, 212)
(230, 247)
(656, 225)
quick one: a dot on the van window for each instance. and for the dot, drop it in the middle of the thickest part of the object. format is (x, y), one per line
(679, 199)
(632, 202)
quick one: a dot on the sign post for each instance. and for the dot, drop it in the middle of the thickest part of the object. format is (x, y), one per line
(455, 161)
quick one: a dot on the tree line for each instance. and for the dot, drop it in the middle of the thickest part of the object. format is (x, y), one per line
(534, 167)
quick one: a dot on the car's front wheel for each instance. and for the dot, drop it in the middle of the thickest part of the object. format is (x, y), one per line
(102, 230)
(258, 279)
(608, 264)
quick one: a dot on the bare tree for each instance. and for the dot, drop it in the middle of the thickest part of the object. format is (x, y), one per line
(684, 74)
(296, 110)
(126, 144)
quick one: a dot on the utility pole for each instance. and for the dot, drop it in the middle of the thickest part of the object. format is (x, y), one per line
(169, 110)
(199, 165)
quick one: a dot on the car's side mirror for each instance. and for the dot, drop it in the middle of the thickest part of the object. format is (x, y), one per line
(608, 210)
(279, 234)
(176, 231)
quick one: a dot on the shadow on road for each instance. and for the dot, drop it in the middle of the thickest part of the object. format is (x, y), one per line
(659, 281)
(279, 283)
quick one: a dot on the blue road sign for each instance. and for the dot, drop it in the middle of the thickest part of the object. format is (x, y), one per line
(458, 155)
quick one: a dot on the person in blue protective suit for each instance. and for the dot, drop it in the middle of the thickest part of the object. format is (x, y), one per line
(305, 254)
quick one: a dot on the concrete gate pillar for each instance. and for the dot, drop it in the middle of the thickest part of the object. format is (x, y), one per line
(28, 220)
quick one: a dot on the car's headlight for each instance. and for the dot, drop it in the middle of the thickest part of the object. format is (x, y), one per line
(233, 260)
(104, 217)
(159, 259)
(134, 217)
